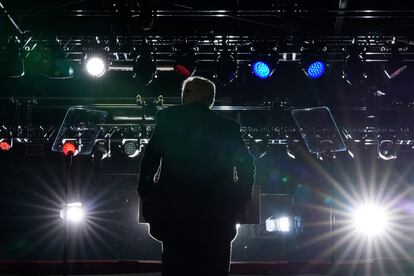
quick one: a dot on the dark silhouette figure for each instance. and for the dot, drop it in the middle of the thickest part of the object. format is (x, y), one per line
(204, 175)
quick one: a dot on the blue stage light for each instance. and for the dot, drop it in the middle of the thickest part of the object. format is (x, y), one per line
(316, 69)
(261, 70)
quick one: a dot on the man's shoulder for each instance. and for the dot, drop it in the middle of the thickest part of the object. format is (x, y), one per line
(169, 111)
(173, 108)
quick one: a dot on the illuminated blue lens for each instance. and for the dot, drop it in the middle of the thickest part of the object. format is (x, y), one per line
(261, 70)
(316, 69)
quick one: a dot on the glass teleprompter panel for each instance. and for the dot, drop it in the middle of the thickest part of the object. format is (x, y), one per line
(319, 130)
(82, 126)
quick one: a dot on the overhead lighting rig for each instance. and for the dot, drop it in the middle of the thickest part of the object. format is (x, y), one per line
(261, 54)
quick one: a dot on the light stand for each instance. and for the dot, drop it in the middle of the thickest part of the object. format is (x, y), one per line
(69, 159)
(84, 126)
(322, 138)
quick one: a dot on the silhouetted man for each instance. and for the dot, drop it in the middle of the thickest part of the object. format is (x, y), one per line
(196, 175)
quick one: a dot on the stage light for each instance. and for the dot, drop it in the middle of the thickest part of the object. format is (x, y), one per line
(354, 68)
(73, 212)
(96, 66)
(5, 146)
(55, 64)
(101, 150)
(313, 59)
(226, 68)
(395, 66)
(11, 58)
(261, 69)
(144, 67)
(316, 69)
(387, 150)
(185, 62)
(131, 148)
(370, 219)
(278, 224)
(69, 148)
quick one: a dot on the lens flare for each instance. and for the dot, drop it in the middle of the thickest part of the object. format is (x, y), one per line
(96, 67)
(370, 220)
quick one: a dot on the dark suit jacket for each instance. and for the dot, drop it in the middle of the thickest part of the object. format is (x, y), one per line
(198, 153)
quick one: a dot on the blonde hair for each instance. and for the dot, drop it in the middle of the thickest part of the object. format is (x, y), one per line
(198, 89)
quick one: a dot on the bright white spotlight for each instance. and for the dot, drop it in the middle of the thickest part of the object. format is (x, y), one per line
(370, 219)
(96, 66)
(73, 212)
(279, 224)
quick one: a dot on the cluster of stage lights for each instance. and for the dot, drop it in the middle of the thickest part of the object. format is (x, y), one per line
(370, 220)
(314, 70)
(279, 224)
(130, 147)
(96, 67)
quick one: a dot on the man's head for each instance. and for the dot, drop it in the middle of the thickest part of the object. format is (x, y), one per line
(198, 89)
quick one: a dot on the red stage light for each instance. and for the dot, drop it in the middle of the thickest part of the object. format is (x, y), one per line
(182, 70)
(69, 148)
(4, 146)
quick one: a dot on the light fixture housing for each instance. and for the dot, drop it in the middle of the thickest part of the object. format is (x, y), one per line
(395, 65)
(225, 68)
(354, 70)
(5, 145)
(55, 64)
(313, 63)
(131, 148)
(387, 150)
(69, 148)
(264, 60)
(185, 60)
(262, 69)
(144, 66)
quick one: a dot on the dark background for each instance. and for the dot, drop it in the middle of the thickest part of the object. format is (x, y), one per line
(32, 187)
